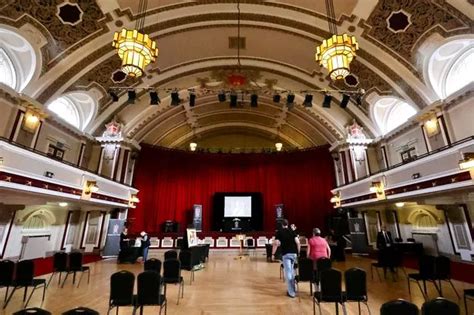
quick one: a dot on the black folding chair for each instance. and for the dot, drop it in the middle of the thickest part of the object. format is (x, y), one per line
(468, 295)
(121, 290)
(171, 254)
(356, 287)
(305, 273)
(186, 260)
(24, 278)
(426, 274)
(250, 244)
(149, 289)
(331, 290)
(75, 266)
(81, 311)
(399, 307)
(172, 275)
(60, 261)
(152, 264)
(32, 310)
(322, 264)
(443, 273)
(7, 269)
(440, 306)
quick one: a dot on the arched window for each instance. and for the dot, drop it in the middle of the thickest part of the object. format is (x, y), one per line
(450, 67)
(391, 112)
(17, 60)
(66, 110)
(7, 70)
(75, 108)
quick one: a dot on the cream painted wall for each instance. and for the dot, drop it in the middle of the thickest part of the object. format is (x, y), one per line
(51, 135)
(7, 118)
(459, 120)
(414, 135)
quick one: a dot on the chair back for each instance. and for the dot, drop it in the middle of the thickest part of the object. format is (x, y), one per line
(171, 271)
(321, 265)
(185, 257)
(148, 288)
(442, 267)
(399, 307)
(75, 261)
(121, 288)
(152, 264)
(25, 272)
(331, 285)
(171, 254)
(398, 240)
(440, 306)
(356, 284)
(179, 243)
(32, 310)
(427, 267)
(81, 311)
(7, 268)
(60, 261)
(305, 269)
(250, 242)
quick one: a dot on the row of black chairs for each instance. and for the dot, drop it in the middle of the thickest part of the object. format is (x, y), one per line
(74, 311)
(171, 272)
(330, 290)
(71, 263)
(438, 306)
(17, 276)
(432, 269)
(150, 290)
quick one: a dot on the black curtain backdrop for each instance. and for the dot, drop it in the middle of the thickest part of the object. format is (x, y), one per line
(171, 181)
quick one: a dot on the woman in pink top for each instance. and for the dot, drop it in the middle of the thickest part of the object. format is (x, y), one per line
(318, 247)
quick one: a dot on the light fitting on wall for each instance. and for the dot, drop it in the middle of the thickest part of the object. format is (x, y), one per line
(31, 120)
(467, 162)
(278, 146)
(336, 199)
(63, 204)
(134, 198)
(193, 146)
(90, 187)
(135, 48)
(336, 52)
(378, 189)
(432, 127)
(399, 204)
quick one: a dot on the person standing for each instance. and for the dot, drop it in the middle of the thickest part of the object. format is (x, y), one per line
(124, 239)
(384, 245)
(145, 244)
(318, 247)
(290, 247)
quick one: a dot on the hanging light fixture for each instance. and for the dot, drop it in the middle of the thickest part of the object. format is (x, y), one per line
(193, 146)
(336, 52)
(278, 146)
(134, 47)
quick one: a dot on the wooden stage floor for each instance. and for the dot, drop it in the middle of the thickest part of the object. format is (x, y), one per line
(225, 286)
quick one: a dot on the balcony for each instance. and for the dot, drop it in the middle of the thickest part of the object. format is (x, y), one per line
(28, 170)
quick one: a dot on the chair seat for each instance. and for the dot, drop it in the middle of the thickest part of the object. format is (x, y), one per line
(377, 265)
(361, 298)
(159, 300)
(33, 283)
(469, 292)
(418, 277)
(334, 299)
(173, 280)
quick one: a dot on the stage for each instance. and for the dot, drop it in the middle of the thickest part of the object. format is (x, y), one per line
(220, 240)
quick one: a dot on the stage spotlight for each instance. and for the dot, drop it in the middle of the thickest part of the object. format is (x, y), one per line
(308, 100)
(254, 100)
(132, 95)
(221, 96)
(233, 100)
(114, 96)
(154, 98)
(175, 98)
(345, 100)
(327, 101)
(276, 98)
(192, 99)
(290, 99)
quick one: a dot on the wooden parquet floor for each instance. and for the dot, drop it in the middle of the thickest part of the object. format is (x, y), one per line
(225, 286)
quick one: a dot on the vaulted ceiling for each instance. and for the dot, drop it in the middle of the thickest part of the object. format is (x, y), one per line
(73, 43)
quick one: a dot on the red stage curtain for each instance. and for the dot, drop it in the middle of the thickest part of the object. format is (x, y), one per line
(171, 181)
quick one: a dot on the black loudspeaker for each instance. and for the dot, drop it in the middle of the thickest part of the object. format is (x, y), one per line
(170, 226)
